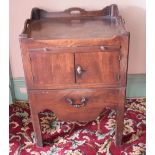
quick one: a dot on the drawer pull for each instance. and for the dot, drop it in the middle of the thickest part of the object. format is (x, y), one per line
(102, 48)
(79, 70)
(81, 104)
(70, 101)
(45, 49)
(83, 100)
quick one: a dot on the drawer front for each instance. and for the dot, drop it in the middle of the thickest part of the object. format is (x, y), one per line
(52, 68)
(74, 104)
(98, 67)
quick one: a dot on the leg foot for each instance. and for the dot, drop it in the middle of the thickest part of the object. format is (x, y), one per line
(119, 127)
(120, 118)
(37, 130)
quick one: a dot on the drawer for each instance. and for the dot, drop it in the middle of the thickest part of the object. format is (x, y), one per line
(74, 104)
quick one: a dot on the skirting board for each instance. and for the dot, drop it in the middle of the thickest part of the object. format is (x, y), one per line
(136, 87)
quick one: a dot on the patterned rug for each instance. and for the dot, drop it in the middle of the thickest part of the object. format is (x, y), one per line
(62, 138)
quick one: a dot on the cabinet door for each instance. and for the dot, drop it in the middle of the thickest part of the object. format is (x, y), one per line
(97, 67)
(52, 68)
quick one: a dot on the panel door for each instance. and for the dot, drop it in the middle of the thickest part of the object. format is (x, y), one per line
(52, 68)
(97, 67)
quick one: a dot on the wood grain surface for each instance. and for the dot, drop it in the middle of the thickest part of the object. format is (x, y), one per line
(75, 64)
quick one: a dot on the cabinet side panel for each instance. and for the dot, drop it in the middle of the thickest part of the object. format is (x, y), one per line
(26, 62)
(124, 59)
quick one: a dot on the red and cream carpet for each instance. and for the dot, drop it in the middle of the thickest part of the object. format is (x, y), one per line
(62, 138)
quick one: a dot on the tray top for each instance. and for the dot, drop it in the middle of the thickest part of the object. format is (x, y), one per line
(64, 25)
(49, 29)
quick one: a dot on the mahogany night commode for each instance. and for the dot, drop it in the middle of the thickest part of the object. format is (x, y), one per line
(75, 64)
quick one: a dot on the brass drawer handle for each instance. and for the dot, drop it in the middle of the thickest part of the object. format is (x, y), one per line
(81, 104)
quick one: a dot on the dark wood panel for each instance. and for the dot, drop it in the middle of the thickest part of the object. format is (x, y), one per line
(124, 59)
(74, 29)
(97, 67)
(31, 43)
(49, 69)
(87, 104)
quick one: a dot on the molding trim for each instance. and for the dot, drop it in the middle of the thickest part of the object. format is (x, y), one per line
(11, 87)
(136, 87)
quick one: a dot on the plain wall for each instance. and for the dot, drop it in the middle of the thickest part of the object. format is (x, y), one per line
(133, 11)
